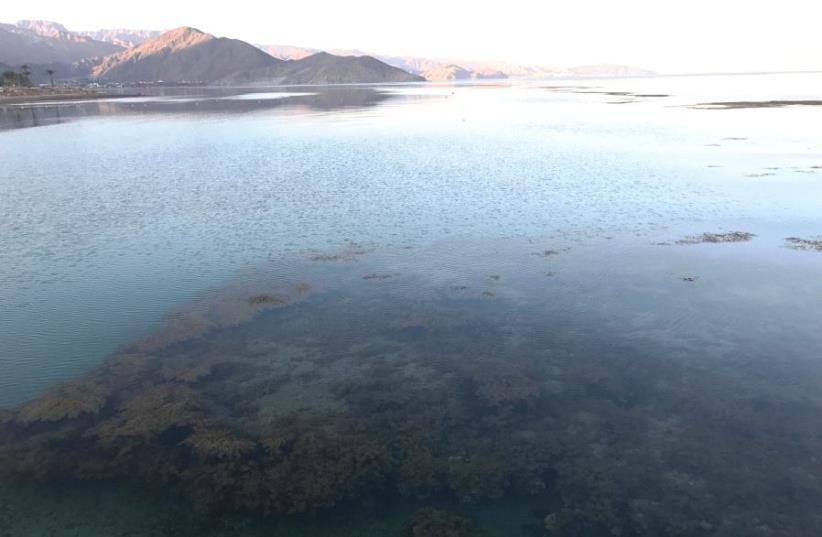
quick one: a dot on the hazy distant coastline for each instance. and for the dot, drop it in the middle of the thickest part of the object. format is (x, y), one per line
(189, 56)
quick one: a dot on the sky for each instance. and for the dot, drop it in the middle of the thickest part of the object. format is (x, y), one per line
(694, 36)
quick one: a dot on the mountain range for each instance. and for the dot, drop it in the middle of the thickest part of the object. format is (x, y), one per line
(42, 42)
(452, 69)
(322, 68)
(122, 37)
(188, 55)
(183, 55)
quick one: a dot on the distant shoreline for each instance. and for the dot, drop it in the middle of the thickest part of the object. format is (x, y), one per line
(31, 95)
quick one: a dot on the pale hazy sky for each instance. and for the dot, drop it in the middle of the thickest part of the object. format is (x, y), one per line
(683, 36)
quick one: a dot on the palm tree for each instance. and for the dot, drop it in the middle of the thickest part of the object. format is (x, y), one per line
(50, 72)
(10, 78)
(25, 71)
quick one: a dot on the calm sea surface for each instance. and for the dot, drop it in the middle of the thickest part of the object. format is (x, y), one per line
(603, 260)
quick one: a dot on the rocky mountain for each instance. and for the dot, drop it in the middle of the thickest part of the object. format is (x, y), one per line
(50, 29)
(447, 72)
(183, 55)
(443, 70)
(122, 37)
(44, 42)
(607, 69)
(433, 70)
(456, 72)
(187, 55)
(514, 70)
(287, 52)
(428, 69)
(324, 68)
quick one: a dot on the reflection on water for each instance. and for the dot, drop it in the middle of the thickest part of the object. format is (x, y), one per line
(503, 310)
(206, 101)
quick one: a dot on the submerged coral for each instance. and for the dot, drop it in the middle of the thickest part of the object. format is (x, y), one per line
(805, 244)
(735, 105)
(506, 388)
(713, 238)
(436, 523)
(150, 413)
(265, 298)
(232, 307)
(218, 442)
(351, 400)
(378, 276)
(69, 401)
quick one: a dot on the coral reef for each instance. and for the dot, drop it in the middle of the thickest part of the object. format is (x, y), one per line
(378, 276)
(151, 412)
(64, 402)
(436, 523)
(495, 388)
(734, 105)
(715, 238)
(813, 245)
(230, 308)
(337, 403)
(265, 298)
(218, 442)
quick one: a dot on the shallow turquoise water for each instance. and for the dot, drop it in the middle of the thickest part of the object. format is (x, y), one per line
(518, 206)
(124, 210)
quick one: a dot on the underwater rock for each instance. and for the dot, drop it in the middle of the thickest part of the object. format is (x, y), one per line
(349, 253)
(230, 308)
(496, 389)
(152, 412)
(347, 402)
(319, 470)
(378, 276)
(265, 298)
(68, 401)
(436, 523)
(551, 252)
(735, 105)
(330, 257)
(218, 442)
(715, 238)
(477, 477)
(192, 372)
(810, 245)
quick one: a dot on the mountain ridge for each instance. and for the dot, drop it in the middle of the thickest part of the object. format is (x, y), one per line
(46, 42)
(182, 55)
(123, 37)
(437, 69)
(324, 68)
(189, 55)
